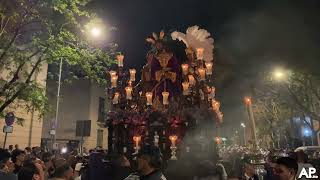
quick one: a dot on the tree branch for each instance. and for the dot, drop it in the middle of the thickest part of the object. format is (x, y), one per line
(5, 50)
(23, 87)
(16, 74)
(301, 106)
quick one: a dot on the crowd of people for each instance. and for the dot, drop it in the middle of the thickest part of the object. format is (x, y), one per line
(37, 164)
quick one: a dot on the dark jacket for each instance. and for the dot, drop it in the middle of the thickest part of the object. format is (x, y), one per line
(156, 175)
(8, 176)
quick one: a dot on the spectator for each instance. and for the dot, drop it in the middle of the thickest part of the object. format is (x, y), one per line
(10, 148)
(31, 171)
(249, 172)
(27, 150)
(64, 172)
(16, 149)
(77, 169)
(121, 166)
(206, 170)
(286, 168)
(6, 166)
(18, 158)
(149, 164)
(48, 163)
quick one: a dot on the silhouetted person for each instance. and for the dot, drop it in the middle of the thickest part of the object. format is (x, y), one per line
(64, 172)
(6, 166)
(18, 157)
(31, 171)
(286, 168)
(149, 163)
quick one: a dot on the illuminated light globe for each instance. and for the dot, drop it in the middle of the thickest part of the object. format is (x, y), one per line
(306, 132)
(96, 32)
(278, 74)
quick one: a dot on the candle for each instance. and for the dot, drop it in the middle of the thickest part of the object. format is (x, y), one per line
(173, 139)
(208, 68)
(112, 73)
(185, 86)
(156, 139)
(136, 139)
(114, 80)
(200, 53)
(192, 81)
(116, 98)
(202, 74)
(165, 98)
(215, 105)
(120, 58)
(185, 68)
(132, 74)
(149, 98)
(128, 92)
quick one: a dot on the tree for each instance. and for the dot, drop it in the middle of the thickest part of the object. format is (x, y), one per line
(39, 32)
(272, 112)
(278, 102)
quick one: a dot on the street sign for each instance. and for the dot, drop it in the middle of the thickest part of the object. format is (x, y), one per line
(9, 118)
(7, 129)
(52, 132)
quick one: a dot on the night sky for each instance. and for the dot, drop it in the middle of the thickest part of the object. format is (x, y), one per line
(250, 36)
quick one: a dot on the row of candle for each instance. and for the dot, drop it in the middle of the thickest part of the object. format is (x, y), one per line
(128, 90)
(202, 71)
(114, 77)
(172, 138)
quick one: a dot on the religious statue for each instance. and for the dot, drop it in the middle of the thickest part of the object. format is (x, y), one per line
(164, 68)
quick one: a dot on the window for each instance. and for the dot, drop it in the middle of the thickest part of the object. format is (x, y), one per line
(100, 138)
(101, 109)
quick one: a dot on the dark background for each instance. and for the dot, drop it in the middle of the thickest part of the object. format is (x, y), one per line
(251, 36)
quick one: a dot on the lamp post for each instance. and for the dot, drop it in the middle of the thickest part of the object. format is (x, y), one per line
(244, 134)
(55, 125)
(248, 103)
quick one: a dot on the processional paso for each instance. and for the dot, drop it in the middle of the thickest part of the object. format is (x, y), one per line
(176, 94)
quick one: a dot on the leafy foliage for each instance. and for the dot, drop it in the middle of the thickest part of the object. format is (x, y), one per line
(39, 32)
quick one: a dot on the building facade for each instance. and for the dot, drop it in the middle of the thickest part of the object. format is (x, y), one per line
(27, 132)
(79, 100)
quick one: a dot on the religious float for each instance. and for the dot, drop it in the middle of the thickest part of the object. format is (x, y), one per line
(173, 106)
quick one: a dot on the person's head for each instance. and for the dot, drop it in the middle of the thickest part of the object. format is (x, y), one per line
(47, 159)
(10, 147)
(5, 162)
(27, 150)
(16, 146)
(18, 156)
(59, 162)
(286, 168)
(120, 160)
(301, 157)
(31, 171)
(149, 157)
(64, 172)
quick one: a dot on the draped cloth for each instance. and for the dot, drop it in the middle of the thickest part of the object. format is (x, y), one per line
(167, 77)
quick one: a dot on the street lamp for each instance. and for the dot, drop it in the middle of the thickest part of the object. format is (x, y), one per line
(248, 102)
(95, 31)
(280, 74)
